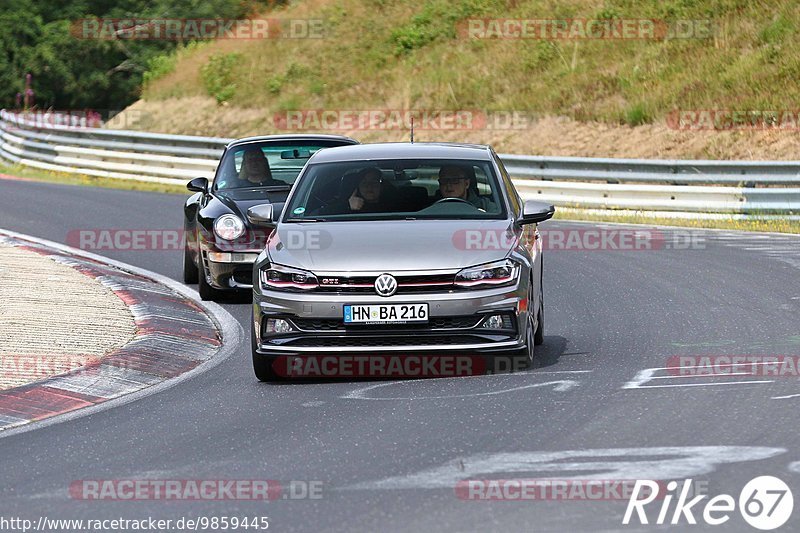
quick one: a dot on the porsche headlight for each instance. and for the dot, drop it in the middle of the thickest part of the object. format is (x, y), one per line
(229, 227)
(494, 274)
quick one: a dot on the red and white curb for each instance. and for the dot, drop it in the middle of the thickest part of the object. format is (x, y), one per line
(176, 335)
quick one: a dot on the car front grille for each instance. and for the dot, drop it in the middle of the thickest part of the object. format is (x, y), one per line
(414, 284)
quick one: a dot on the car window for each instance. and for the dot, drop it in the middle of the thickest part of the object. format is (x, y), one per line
(398, 189)
(513, 196)
(266, 164)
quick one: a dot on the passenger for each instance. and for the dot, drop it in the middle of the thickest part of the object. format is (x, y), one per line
(370, 195)
(454, 182)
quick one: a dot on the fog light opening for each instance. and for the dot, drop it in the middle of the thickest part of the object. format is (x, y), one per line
(278, 325)
(497, 322)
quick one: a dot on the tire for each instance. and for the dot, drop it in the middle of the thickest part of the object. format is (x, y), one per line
(527, 350)
(190, 272)
(262, 367)
(529, 343)
(207, 292)
(538, 336)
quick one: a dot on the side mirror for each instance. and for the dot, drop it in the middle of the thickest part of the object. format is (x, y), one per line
(534, 212)
(198, 185)
(260, 215)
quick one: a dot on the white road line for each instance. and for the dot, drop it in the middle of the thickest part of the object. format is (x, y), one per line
(749, 363)
(359, 394)
(705, 375)
(669, 462)
(564, 372)
(785, 397)
(699, 384)
(648, 374)
(643, 376)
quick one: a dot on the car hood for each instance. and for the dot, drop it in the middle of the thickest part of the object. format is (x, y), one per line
(240, 200)
(391, 245)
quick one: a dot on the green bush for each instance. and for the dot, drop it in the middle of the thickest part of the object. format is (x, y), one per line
(218, 76)
(275, 84)
(437, 20)
(776, 31)
(158, 66)
(637, 115)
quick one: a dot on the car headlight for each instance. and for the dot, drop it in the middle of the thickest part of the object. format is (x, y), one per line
(494, 274)
(229, 227)
(278, 277)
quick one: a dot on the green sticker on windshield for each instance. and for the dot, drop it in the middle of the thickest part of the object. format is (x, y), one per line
(299, 211)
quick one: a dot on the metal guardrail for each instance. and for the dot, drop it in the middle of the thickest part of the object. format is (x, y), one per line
(49, 144)
(751, 187)
(662, 171)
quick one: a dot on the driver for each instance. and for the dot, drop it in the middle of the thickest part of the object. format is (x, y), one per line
(255, 170)
(455, 183)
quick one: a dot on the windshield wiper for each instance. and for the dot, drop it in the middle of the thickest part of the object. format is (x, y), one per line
(306, 220)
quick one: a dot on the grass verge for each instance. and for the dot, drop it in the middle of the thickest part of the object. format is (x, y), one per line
(89, 181)
(751, 224)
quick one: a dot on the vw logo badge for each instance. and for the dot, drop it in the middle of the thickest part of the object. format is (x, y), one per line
(385, 285)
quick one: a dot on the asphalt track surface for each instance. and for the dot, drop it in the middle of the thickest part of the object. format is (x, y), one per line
(389, 457)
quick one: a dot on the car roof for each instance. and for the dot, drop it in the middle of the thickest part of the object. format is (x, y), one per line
(292, 137)
(403, 150)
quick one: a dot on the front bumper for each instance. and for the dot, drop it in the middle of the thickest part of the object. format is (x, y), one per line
(454, 325)
(230, 270)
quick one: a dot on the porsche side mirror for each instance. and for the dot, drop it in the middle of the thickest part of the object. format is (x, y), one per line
(198, 185)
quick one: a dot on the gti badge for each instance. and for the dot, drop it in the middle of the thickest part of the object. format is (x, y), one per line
(385, 285)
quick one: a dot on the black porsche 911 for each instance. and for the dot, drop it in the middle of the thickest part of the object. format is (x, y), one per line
(221, 246)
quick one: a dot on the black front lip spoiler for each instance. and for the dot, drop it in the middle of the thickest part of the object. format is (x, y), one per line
(271, 350)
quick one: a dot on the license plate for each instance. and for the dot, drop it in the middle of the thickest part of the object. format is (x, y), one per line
(385, 314)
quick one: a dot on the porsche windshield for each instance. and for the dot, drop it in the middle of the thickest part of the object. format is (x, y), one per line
(266, 164)
(397, 189)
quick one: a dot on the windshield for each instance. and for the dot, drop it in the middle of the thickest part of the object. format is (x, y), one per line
(266, 164)
(397, 189)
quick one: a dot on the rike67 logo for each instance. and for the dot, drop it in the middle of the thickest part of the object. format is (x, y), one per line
(765, 503)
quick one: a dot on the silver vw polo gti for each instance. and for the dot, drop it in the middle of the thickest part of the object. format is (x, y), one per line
(398, 249)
